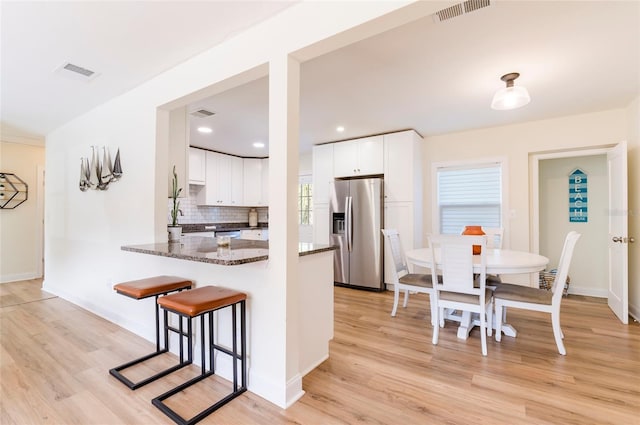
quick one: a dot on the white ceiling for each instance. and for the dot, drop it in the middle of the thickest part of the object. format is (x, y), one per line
(574, 57)
(126, 42)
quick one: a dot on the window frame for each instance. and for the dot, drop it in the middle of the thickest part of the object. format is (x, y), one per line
(305, 179)
(472, 163)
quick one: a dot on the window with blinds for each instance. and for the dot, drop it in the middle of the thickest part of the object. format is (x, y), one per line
(469, 196)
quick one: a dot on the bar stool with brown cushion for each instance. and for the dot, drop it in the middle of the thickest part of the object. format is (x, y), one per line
(146, 288)
(202, 302)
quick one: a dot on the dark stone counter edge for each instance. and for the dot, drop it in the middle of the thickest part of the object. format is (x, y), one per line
(219, 261)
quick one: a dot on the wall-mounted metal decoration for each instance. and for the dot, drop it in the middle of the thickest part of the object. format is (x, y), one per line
(13, 191)
(99, 173)
(578, 200)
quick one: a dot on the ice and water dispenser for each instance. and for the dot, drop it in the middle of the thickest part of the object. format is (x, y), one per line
(338, 224)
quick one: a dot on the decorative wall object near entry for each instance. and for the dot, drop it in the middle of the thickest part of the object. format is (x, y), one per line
(97, 173)
(578, 201)
(13, 191)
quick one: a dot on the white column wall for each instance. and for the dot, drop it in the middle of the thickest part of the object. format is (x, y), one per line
(84, 230)
(284, 99)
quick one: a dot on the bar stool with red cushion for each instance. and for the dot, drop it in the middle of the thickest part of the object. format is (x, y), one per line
(202, 302)
(146, 288)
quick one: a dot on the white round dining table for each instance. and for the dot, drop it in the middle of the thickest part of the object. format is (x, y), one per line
(499, 262)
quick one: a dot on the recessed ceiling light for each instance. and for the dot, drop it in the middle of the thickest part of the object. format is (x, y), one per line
(339, 129)
(258, 145)
(205, 130)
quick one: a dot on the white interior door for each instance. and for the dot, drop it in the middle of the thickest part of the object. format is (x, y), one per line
(618, 238)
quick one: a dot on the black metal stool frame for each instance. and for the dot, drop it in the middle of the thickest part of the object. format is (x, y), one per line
(116, 371)
(242, 356)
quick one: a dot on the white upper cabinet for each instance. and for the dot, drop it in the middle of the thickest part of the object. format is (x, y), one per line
(220, 188)
(237, 181)
(359, 157)
(402, 166)
(322, 172)
(197, 164)
(252, 181)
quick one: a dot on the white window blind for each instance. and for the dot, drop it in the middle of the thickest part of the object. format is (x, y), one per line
(469, 196)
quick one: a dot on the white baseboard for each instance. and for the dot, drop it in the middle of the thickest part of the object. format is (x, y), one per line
(15, 277)
(137, 328)
(588, 292)
(634, 312)
(294, 390)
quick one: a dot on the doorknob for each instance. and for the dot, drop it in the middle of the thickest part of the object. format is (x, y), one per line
(631, 239)
(617, 239)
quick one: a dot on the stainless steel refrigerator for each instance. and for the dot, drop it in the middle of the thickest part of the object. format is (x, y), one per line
(355, 211)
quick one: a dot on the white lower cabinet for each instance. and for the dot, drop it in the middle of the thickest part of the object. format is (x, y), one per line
(255, 234)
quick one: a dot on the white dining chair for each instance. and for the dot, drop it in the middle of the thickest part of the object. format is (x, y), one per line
(525, 297)
(494, 236)
(403, 280)
(494, 241)
(456, 290)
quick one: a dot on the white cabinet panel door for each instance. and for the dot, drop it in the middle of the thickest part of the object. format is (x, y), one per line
(370, 155)
(345, 159)
(236, 182)
(402, 165)
(399, 216)
(322, 172)
(252, 181)
(264, 198)
(197, 164)
(359, 157)
(321, 223)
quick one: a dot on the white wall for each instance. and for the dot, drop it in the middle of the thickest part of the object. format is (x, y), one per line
(517, 142)
(633, 138)
(21, 228)
(589, 271)
(84, 231)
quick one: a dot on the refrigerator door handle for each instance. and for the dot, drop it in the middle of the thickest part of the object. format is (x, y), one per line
(349, 222)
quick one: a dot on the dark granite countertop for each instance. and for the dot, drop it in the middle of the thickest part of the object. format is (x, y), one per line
(212, 227)
(205, 250)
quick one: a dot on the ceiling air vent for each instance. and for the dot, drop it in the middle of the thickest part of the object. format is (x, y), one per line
(202, 113)
(471, 5)
(460, 9)
(76, 72)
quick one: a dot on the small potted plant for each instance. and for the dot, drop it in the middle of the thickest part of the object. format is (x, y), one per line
(175, 230)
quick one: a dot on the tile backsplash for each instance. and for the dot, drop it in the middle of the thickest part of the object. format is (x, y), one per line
(194, 213)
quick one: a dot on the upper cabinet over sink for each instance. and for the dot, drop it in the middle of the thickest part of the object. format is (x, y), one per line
(359, 157)
(223, 180)
(228, 180)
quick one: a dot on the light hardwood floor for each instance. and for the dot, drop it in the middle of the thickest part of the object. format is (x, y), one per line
(54, 358)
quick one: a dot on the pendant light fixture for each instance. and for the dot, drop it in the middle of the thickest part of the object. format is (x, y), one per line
(510, 97)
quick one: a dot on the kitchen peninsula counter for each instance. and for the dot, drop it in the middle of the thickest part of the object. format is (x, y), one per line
(206, 250)
(287, 325)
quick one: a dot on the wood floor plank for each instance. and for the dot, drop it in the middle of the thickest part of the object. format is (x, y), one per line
(55, 356)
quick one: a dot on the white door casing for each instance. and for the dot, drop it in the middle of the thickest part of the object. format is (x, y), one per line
(618, 293)
(618, 284)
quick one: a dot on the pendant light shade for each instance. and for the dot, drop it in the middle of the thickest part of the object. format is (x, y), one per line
(510, 97)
